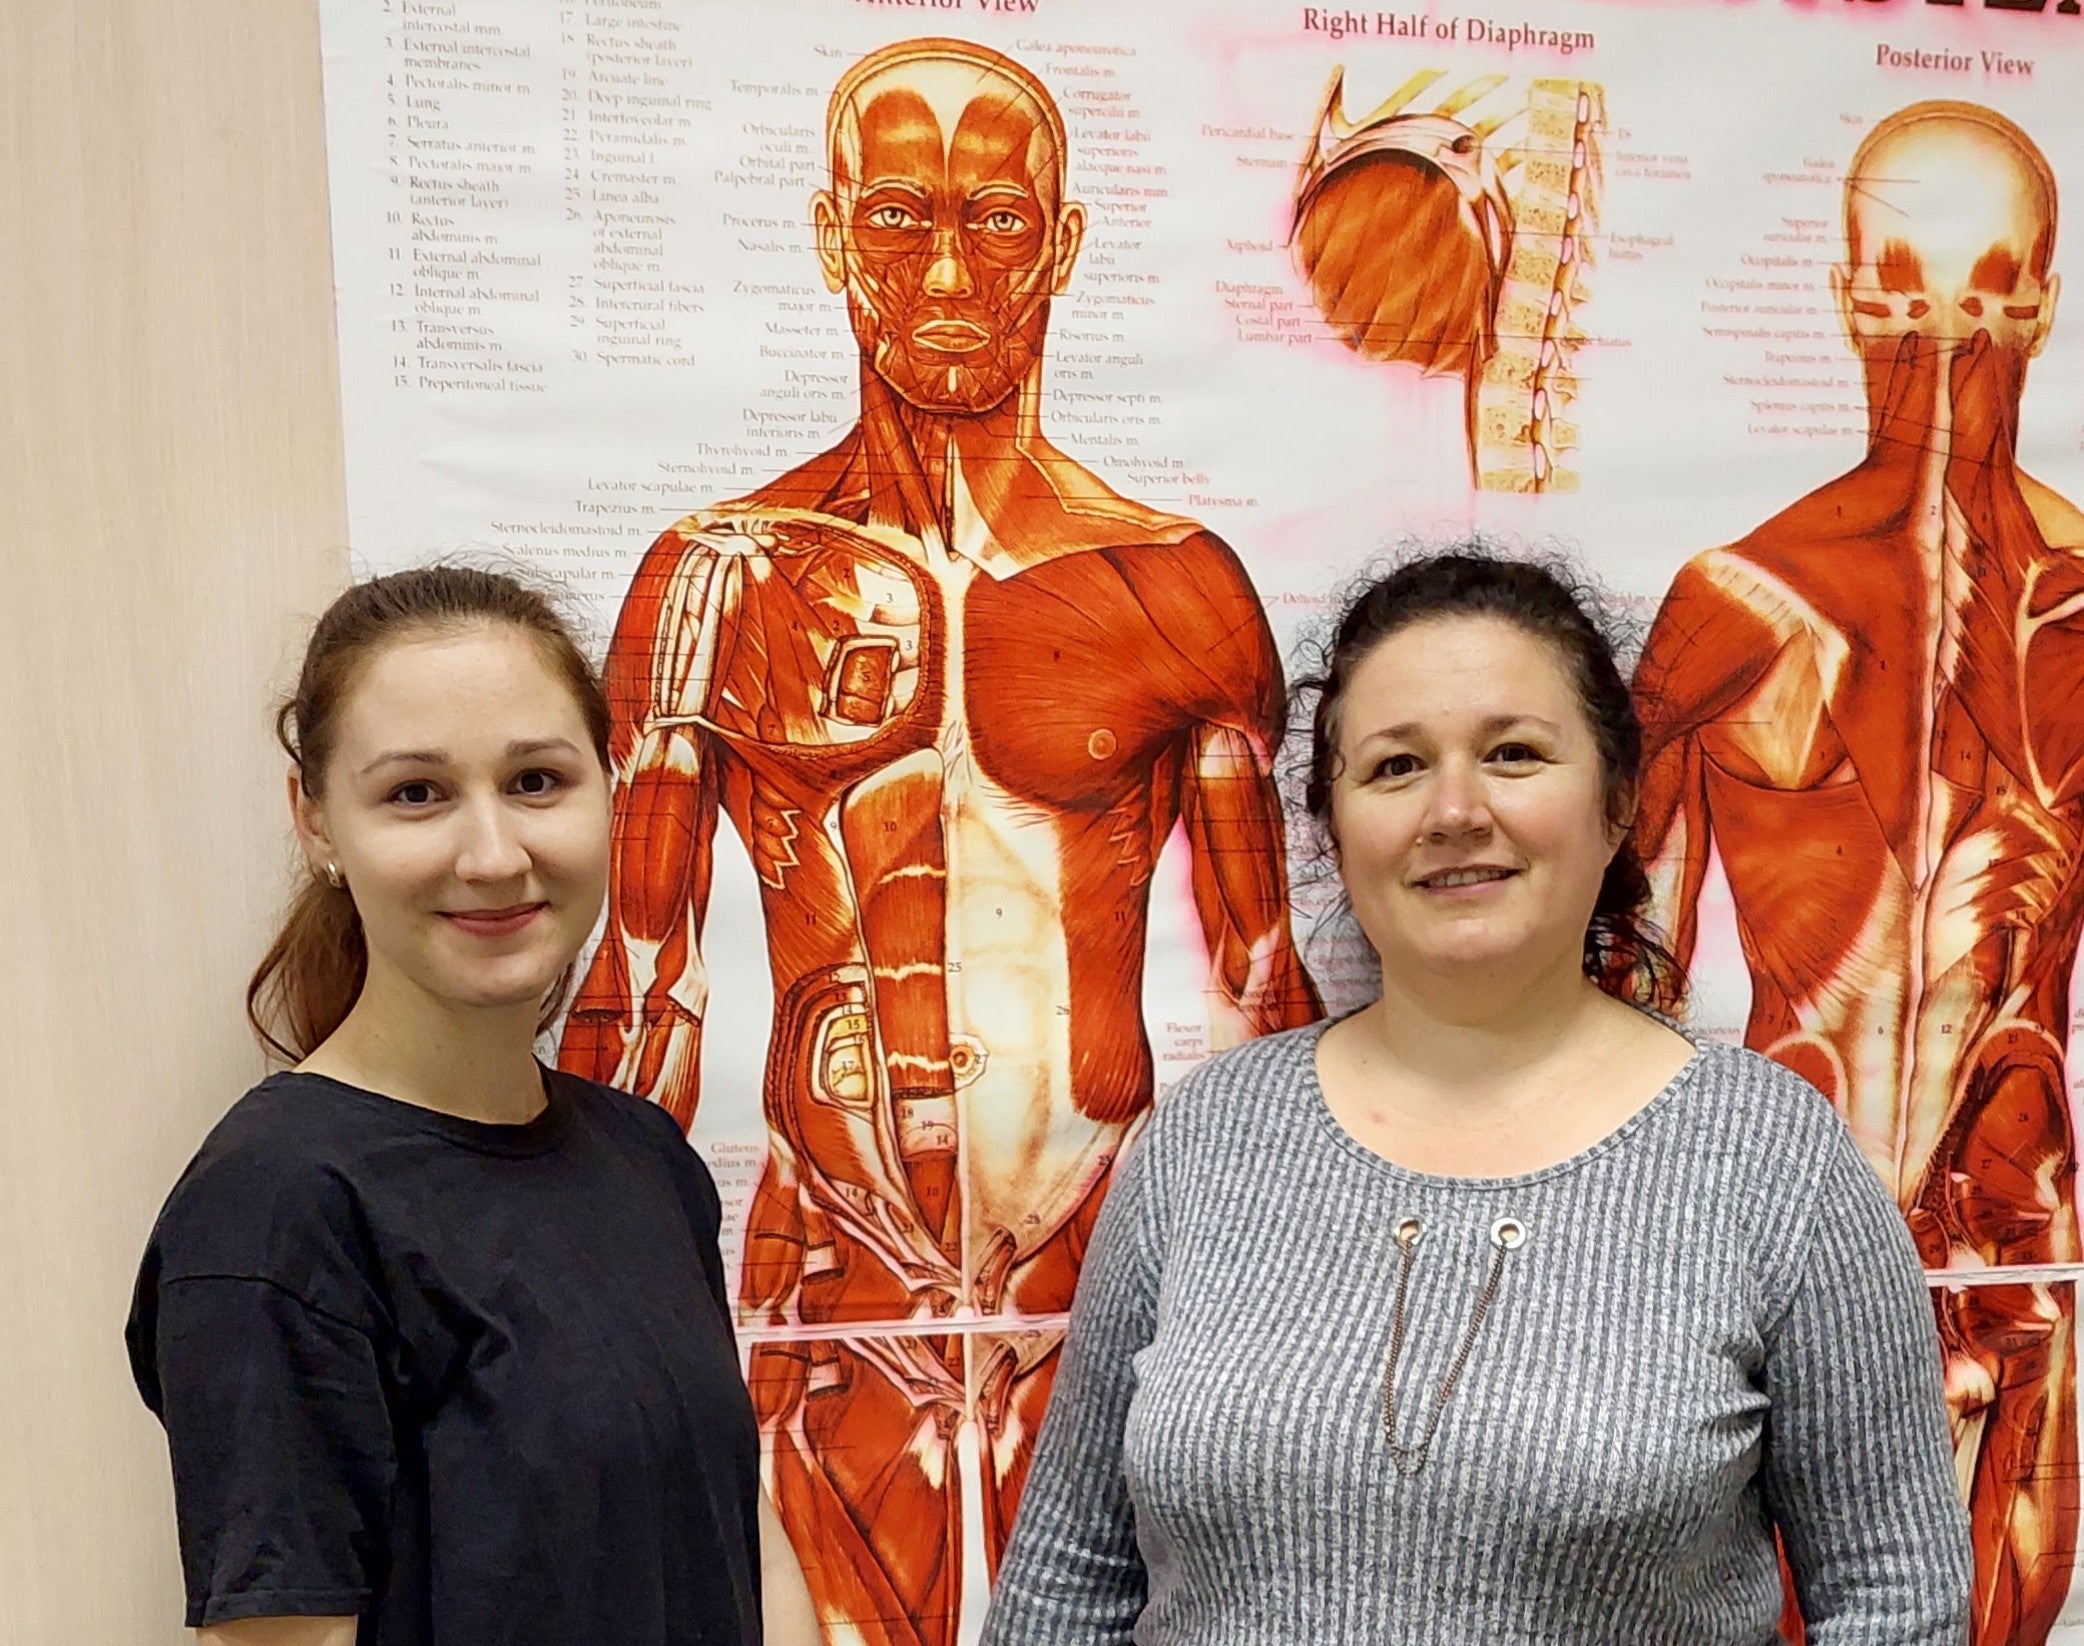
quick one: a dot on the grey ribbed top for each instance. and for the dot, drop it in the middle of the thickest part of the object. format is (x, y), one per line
(1717, 1322)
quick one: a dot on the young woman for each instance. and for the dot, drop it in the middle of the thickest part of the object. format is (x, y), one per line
(440, 1335)
(1496, 1311)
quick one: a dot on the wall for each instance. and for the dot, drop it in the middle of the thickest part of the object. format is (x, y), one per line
(170, 511)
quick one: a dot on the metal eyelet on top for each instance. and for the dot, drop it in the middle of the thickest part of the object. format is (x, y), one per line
(1508, 1234)
(1408, 1233)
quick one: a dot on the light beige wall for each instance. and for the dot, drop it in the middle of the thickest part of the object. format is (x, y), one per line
(171, 510)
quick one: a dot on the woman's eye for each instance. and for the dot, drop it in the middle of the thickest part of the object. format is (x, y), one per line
(1516, 754)
(1397, 765)
(413, 794)
(538, 782)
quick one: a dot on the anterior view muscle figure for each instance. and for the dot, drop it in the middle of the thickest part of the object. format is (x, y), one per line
(1869, 706)
(953, 693)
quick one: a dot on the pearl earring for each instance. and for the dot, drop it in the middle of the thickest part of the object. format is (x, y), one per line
(333, 875)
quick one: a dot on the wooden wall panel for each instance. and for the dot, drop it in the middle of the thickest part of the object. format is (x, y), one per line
(171, 515)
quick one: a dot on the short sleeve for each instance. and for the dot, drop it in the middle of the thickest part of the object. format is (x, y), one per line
(695, 1188)
(282, 1447)
(254, 1337)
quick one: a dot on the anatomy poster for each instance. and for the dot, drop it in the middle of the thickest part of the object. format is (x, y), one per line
(953, 417)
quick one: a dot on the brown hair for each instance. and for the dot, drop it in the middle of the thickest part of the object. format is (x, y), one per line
(1624, 952)
(313, 971)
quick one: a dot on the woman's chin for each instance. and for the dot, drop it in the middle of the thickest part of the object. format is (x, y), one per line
(1465, 954)
(505, 990)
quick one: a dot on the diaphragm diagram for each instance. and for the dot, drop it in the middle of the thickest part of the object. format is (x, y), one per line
(1454, 233)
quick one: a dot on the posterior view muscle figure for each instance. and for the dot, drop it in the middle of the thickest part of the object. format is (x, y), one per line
(1869, 707)
(953, 693)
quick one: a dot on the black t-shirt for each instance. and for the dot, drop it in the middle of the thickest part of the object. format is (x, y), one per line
(474, 1383)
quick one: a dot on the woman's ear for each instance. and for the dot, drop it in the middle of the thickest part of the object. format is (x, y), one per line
(308, 819)
(1620, 817)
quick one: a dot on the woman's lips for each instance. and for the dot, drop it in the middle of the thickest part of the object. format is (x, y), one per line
(493, 922)
(1474, 881)
(950, 336)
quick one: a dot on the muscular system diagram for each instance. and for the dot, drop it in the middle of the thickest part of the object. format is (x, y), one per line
(1457, 238)
(953, 693)
(1869, 708)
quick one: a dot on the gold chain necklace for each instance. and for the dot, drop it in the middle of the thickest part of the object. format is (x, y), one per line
(1508, 1234)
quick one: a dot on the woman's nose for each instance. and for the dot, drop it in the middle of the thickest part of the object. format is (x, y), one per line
(1455, 803)
(491, 846)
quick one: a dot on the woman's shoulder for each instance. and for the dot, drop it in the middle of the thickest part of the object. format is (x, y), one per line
(1281, 1060)
(641, 1127)
(1745, 1090)
(1797, 1178)
(1240, 1089)
(1762, 1132)
(288, 1134)
(623, 1113)
(271, 1196)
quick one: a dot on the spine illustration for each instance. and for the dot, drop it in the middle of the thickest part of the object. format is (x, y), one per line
(1525, 424)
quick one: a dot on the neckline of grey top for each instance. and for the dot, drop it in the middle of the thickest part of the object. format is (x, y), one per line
(1620, 1136)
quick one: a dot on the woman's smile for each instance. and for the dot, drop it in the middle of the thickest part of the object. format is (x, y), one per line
(1466, 881)
(494, 922)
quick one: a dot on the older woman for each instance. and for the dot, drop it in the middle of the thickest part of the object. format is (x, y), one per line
(1497, 1311)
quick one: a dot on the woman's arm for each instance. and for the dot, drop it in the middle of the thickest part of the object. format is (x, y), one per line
(1073, 1573)
(787, 1617)
(1859, 1469)
(280, 1631)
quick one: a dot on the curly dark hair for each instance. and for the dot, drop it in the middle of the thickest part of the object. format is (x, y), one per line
(1625, 953)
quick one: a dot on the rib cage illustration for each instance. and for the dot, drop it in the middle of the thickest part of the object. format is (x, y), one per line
(1458, 238)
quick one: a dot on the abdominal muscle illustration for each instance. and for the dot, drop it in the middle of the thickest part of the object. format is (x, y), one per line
(1455, 237)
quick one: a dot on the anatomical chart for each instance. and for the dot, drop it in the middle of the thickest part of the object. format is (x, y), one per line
(956, 420)
(1869, 706)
